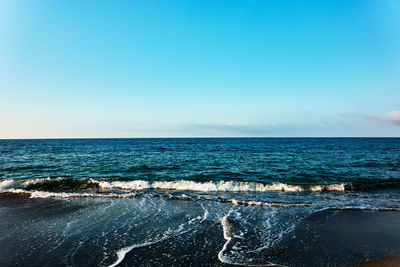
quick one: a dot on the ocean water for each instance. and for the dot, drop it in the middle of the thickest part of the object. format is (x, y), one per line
(94, 202)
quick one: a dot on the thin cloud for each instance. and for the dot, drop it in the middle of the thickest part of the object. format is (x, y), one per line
(391, 117)
(244, 129)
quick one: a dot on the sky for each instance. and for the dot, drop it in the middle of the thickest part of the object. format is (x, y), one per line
(199, 68)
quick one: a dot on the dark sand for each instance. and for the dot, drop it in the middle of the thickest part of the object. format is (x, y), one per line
(326, 238)
(196, 248)
(18, 214)
(342, 238)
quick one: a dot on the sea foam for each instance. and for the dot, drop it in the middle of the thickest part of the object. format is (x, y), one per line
(218, 186)
(6, 184)
(45, 184)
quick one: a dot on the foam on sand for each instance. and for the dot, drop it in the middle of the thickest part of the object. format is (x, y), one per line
(121, 253)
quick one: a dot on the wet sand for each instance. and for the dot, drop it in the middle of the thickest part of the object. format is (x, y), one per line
(342, 238)
(326, 238)
(196, 248)
(17, 215)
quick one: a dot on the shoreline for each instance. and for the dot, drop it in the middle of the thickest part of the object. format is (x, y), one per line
(342, 237)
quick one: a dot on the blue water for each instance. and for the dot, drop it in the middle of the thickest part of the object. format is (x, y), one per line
(131, 193)
(362, 162)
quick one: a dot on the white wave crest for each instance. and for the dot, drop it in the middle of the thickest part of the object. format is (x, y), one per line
(29, 182)
(6, 184)
(330, 187)
(183, 185)
(222, 186)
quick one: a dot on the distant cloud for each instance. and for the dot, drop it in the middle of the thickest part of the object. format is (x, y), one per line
(391, 117)
(231, 129)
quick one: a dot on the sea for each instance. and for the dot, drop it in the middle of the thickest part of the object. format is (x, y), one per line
(192, 201)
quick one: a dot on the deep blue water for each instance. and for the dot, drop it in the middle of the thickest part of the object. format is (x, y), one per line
(95, 201)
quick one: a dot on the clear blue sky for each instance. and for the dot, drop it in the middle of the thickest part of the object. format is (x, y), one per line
(199, 68)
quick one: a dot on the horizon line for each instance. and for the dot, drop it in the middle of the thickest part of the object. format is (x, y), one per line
(193, 137)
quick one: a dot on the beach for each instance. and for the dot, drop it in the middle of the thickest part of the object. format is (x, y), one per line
(328, 237)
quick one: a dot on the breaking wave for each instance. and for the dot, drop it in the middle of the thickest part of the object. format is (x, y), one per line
(92, 186)
(6, 184)
(56, 184)
(219, 186)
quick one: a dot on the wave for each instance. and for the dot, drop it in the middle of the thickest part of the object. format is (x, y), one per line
(8, 189)
(68, 184)
(6, 184)
(61, 184)
(179, 185)
(48, 194)
(218, 186)
(52, 194)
